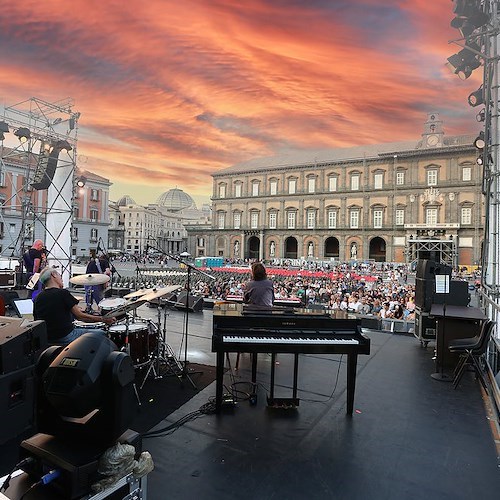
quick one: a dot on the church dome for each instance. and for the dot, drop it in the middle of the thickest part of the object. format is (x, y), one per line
(125, 201)
(175, 199)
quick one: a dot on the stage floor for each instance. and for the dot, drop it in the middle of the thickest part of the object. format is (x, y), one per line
(410, 436)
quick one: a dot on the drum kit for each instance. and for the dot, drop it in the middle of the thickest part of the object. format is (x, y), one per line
(143, 339)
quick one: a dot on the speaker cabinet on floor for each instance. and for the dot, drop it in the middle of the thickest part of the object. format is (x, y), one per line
(194, 304)
(21, 342)
(17, 390)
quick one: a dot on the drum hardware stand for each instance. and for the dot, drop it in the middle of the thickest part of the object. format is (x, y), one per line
(163, 354)
(126, 349)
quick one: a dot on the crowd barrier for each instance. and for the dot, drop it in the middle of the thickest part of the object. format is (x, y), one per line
(388, 325)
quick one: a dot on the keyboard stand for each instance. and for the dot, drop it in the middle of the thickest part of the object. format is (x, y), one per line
(352, 361)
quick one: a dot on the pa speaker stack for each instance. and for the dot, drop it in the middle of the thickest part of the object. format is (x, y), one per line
(425, 282)
(21, 343)
(194, 303)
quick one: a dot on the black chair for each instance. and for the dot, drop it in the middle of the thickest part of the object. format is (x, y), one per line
(470, 350)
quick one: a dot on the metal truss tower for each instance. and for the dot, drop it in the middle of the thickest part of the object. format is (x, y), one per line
(37, 168)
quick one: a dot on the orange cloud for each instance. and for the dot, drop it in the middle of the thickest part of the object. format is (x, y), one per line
(171, 91)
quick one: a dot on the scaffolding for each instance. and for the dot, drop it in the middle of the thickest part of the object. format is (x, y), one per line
(442, 251)
(40, 206)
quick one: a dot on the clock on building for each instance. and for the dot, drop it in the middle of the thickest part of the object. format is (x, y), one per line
(432, 140)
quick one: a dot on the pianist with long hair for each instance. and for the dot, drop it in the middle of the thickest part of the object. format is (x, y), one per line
(259, 291)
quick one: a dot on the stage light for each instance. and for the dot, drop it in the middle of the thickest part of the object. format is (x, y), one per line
(23, 133)
(476, 98)
(81, 181)
(481, 116)
(4, 127)
(464, 63)
(87, 392)
(63, 145)
(480, 160)
(479, 142)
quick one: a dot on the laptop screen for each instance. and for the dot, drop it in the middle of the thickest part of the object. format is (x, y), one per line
(24, 308)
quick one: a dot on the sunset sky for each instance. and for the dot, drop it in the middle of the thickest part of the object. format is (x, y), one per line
(171, 91)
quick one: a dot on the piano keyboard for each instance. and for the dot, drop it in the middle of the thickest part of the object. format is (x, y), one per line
(288, 340)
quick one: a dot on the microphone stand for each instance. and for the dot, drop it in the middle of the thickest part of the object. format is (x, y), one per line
(186, 307)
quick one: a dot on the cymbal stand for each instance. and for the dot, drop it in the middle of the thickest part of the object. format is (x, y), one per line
(164, 354)
(126, 349)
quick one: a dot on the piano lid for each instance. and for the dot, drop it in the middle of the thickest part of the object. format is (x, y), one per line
(226, 309)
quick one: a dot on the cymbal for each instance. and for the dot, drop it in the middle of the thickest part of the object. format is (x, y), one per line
(138, 293)
(156, 293)
(124, 309)
(89, 279)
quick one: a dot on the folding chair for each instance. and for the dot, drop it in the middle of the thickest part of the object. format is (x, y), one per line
(470, 350)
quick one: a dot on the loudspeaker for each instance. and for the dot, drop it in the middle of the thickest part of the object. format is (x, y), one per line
(21, 343)
(425, 282)
(195, 304)
(424, 293)
(17, 407)
(425, 268)
(458, 296)
(428, 269)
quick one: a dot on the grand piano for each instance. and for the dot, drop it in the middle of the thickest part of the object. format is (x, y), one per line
(252, 329)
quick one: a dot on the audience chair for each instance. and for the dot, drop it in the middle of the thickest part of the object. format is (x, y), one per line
(470, 350)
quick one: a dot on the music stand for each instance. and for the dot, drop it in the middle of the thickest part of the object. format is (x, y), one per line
(443, 288)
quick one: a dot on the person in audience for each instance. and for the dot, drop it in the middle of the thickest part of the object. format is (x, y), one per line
(259, 290)
(58, 308)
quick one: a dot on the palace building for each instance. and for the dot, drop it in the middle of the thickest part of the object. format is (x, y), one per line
(392, 202)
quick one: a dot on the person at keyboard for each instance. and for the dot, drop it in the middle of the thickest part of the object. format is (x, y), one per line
(259, 291)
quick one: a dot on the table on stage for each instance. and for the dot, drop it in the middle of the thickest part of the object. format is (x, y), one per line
(454, 322)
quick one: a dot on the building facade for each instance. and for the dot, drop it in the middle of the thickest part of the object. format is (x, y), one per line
(90, 214)
(157, 227)
(23, 209)
(394, 202)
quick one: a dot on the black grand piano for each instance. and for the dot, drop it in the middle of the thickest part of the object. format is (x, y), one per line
(252, 329)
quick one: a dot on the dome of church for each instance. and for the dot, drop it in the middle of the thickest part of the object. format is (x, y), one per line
(175, 199)
(125, 201)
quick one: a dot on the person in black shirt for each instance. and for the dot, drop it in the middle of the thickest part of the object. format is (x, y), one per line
(260, 290)
(58, 308)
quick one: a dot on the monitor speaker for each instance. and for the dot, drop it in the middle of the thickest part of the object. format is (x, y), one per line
(21, 343)
(194, 304)
(17, 396)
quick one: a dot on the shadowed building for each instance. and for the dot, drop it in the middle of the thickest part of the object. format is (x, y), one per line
(392, 202)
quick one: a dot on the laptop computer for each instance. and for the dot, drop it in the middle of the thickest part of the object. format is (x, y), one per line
(24, 308)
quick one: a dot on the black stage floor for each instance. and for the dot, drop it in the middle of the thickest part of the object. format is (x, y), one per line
(410, 437)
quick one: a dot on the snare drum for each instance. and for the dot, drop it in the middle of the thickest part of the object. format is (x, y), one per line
(108, 305)
(141, 338)
(89, 326)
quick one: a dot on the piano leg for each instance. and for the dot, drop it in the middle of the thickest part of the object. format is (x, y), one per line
(273, 366)
(219, 373)
(352, 361)
(295, 374)
(254, 367)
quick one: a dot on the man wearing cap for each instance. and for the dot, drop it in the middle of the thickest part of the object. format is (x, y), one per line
(58, 308)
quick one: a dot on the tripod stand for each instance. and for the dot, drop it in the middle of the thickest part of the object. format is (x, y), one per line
(184, 306)
(164, 354)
